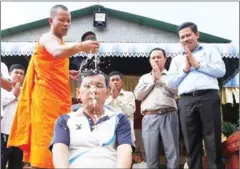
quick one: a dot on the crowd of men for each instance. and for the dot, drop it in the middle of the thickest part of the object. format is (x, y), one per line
(40, 127)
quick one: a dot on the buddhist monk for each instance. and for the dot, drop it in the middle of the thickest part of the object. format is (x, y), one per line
(46, 93)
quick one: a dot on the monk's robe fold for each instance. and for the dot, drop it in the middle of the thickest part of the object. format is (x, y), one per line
(44, 97)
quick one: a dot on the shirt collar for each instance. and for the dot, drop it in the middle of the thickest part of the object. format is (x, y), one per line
(164, 72)
(121, 93)
(199, 47)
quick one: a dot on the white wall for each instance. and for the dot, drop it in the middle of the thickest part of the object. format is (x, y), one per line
(116, 30)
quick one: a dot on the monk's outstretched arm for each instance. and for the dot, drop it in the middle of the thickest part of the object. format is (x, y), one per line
(6, 84)
(56, 49)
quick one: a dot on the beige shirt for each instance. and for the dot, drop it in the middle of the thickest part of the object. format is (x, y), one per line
(124, 103)
(155, 96)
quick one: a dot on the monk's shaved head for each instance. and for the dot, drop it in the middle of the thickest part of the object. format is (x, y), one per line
(55, 8)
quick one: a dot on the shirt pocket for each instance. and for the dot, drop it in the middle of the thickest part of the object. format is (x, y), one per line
(203, 58)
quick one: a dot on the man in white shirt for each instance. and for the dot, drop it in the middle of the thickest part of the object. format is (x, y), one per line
(12, 156)
(194, 72)
(120, 100)
(5, 83)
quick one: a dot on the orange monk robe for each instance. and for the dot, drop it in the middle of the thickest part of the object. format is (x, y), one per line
(44, 97)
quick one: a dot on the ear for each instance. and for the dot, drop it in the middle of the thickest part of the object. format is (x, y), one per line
(198, 35)
(150, 61)
(165, 59)
(109, 84)
(122, 83)
(50, 20)
(78, 93)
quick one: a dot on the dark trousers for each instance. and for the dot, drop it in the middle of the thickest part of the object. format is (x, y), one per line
(13, 156)
(200, 118)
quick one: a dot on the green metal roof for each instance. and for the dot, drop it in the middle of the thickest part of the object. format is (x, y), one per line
(204, 37)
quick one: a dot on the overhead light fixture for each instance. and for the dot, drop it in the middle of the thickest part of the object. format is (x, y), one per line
(99, 19)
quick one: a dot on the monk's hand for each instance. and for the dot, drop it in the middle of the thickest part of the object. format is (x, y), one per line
(89, 46)
(6, 84)
(74, 74)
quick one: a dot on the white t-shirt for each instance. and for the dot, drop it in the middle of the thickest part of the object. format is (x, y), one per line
(9, 104)
(140, 165)
(92, 145)
(4, 73)
(4, 70)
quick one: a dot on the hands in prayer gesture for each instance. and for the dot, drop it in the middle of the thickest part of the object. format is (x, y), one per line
(155, 72)
(190, 60)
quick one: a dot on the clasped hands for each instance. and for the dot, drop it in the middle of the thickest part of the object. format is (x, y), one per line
(155, 72)
(190, 60)
(114, 92)
(16, 89)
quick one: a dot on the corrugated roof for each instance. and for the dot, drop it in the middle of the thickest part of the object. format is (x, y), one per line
(119, 49)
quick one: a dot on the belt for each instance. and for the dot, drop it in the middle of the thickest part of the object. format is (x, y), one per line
(160, 111)
(199, 92)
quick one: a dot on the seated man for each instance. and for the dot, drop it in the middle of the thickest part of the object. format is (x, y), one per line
(5, 82)
(94, 136)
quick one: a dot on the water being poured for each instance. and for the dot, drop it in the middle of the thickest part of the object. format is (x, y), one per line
(84, 62)
(95, 62)
(94, 99)
(90, 36)
(92, 61)
(92, 91)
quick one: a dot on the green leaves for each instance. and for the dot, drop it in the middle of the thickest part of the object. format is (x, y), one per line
(228, 128)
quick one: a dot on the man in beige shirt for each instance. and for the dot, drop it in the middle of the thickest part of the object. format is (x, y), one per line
(160, 113)
(120, 100)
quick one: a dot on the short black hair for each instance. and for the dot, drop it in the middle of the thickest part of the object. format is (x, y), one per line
(191, 25)
(83, 38)
(16, 66)
(113, 73)
(93, 72)
(55, 8)
(163, 51)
